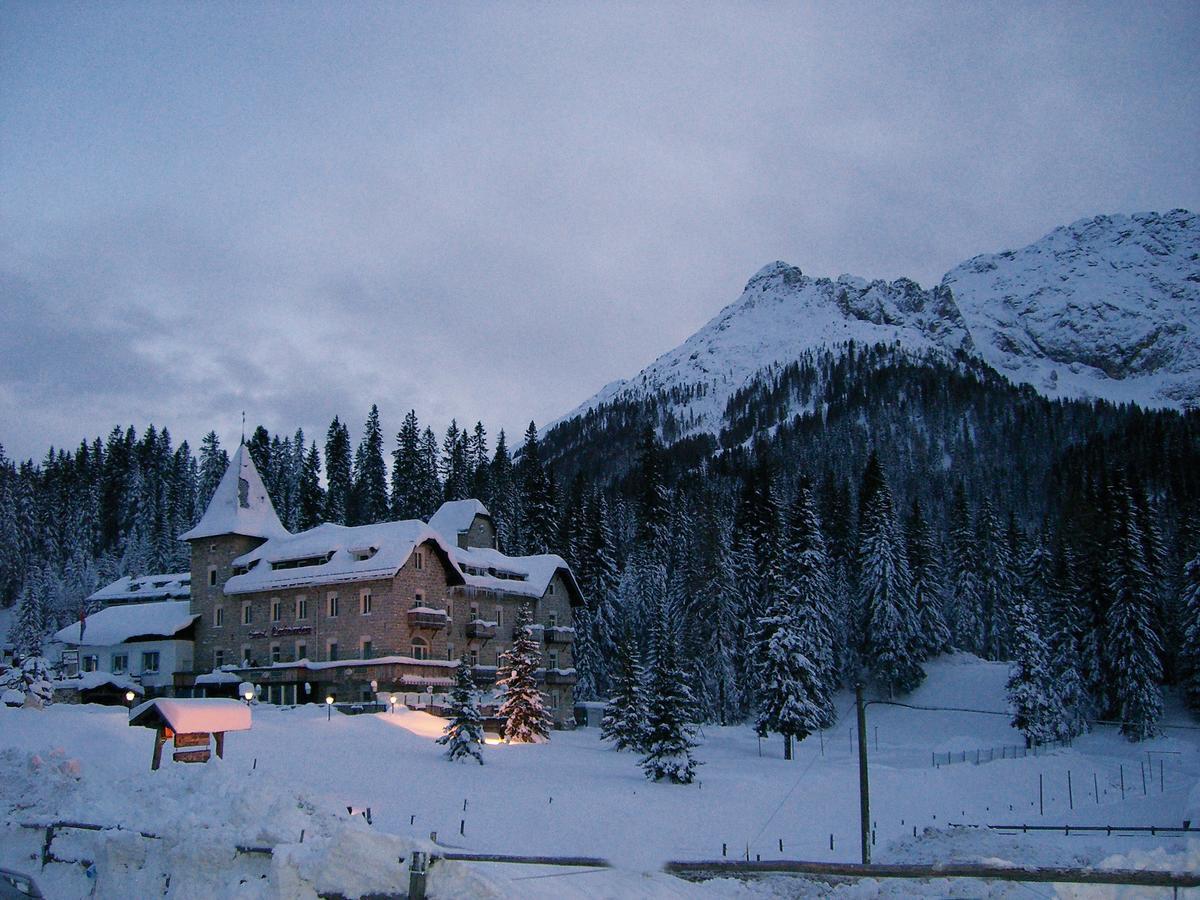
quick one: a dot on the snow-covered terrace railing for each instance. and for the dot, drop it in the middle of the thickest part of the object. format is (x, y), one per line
(558, 634)
(427, 617)
(481, 629)
(560, 676)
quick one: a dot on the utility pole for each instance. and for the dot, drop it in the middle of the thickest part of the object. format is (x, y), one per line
(864, 791)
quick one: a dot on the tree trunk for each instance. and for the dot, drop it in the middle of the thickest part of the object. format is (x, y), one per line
(787, 746)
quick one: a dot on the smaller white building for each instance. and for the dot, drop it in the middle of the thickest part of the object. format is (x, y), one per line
(148, 642)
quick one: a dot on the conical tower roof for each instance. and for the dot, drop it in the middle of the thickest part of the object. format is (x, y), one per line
(240, 504)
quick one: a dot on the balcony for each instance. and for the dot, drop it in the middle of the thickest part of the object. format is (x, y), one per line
(559, 634)
(479, 630)
(428, 618)
(560, 676)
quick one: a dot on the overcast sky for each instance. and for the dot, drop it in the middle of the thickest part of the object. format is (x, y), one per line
(491, 210)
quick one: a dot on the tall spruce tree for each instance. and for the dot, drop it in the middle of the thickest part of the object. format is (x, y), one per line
(370, 474)
(670, 736)
(624, 720)
(523, 709)
(789, 680)
(1190, 647)
(310, 496)
(539, 515)
(1132, 646)
(889, 631)
(338, 475)
(213, 463)
(995, 582)
(966, 600)
(463, 734)
(407, 471)
(924, 565)
(1031, 689)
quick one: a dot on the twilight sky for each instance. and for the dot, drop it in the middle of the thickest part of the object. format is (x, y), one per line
(491, 210)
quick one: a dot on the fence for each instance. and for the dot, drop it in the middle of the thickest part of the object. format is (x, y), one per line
(991, 754)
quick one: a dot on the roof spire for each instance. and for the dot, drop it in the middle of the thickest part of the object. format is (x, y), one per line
(239, 505)
(243, 440)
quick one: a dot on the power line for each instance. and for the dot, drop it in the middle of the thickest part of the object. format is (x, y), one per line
(992, 712)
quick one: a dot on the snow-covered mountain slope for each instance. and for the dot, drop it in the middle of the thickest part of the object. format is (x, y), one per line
(781, 314)
(1107, 307)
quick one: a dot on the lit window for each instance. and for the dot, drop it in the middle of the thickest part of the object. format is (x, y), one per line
(150, 662)
(331, 606)
(301, 607)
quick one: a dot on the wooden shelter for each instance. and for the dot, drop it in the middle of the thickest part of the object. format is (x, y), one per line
(190, 724)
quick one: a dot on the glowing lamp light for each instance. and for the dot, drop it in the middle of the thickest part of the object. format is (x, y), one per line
(329, 700)
(329, 707)
(248, 696)
(129, 695)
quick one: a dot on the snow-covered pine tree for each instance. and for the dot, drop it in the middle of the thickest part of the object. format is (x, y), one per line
(523, 707)
(407, 470)
(505, 502)
(310, 498)
(1189, 650)
(454, 463)
(789, 680)
(1132, 647)
(338, 476)
(1030, 688)
(924, 566)
(889, 632)
(370, 475)
(717, 613)
(463, 735)
(624, 720)
(213, 463)
(479, 465)
(28, 637)
(431, 482)
(670, 736)
(1064, 623)
(966, 603)
(995, 581)
(805, 583)
(538, 506)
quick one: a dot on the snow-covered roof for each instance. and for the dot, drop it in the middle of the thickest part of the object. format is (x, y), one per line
(240, 504)
(87, 681)
(455, 516)
(190, 716)
(334, 554)
(177, 586)
(119, 624)
(218, 678)
(528, 576)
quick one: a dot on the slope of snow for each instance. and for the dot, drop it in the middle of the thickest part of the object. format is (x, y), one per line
(781, 314)
(130, 588)
(1107, 307)
(575, 796)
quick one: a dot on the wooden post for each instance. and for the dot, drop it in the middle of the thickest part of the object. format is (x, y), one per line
(416, 875)
(160, 738)
(1122, 781)
(864, 790)
(1041, 798)
(1070, 793)
(220, 738)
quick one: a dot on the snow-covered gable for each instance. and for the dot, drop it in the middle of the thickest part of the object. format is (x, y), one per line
(121, 624)
(334, 554)
(189, 716)
(454, 517)
(143, 588)
(527, 576)
(240, 504)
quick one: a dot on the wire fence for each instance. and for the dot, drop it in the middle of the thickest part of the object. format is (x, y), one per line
(979, 756)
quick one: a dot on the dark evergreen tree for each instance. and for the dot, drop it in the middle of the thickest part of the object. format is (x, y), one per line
(966, 601)
(479, 466)
(431, 483)
(408, 475)
(523, 709)
(505, 502)
(995, 582)
(537, 498)
(1190, 648)
(338, 475)
(213, 463)
(1031, 689)
(370, 475)
(924, 565)
(624, 720)
(310, 497)
(670, 736)
(790, 683)
(463, 735)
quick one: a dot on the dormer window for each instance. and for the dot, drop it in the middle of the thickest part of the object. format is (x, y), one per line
(361, 554)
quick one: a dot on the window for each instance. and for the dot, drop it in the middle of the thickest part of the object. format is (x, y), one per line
(499, 615)
(218, 658)
(332, 651)
(474, 611)
(212, 576)
(247, 614)
(420, 648)
(275, 653)
(552, 660)
(301, 607)
(90, 663)
(331, 606)
(419, 598)
(276, 609)
(473, 657)
(218, 617)
(120, 662)
(301, 650)
(366, 648)
(150, 662)
(550, 589)
(364, 602)
(246, 656)
(419, 562)
(553, 617)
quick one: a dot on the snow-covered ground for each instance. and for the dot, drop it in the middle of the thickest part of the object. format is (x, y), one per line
(296, 770)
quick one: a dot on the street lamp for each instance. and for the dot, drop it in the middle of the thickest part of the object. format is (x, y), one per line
(329, 707)
(392, 700)
(248, 695)
(129, 695)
